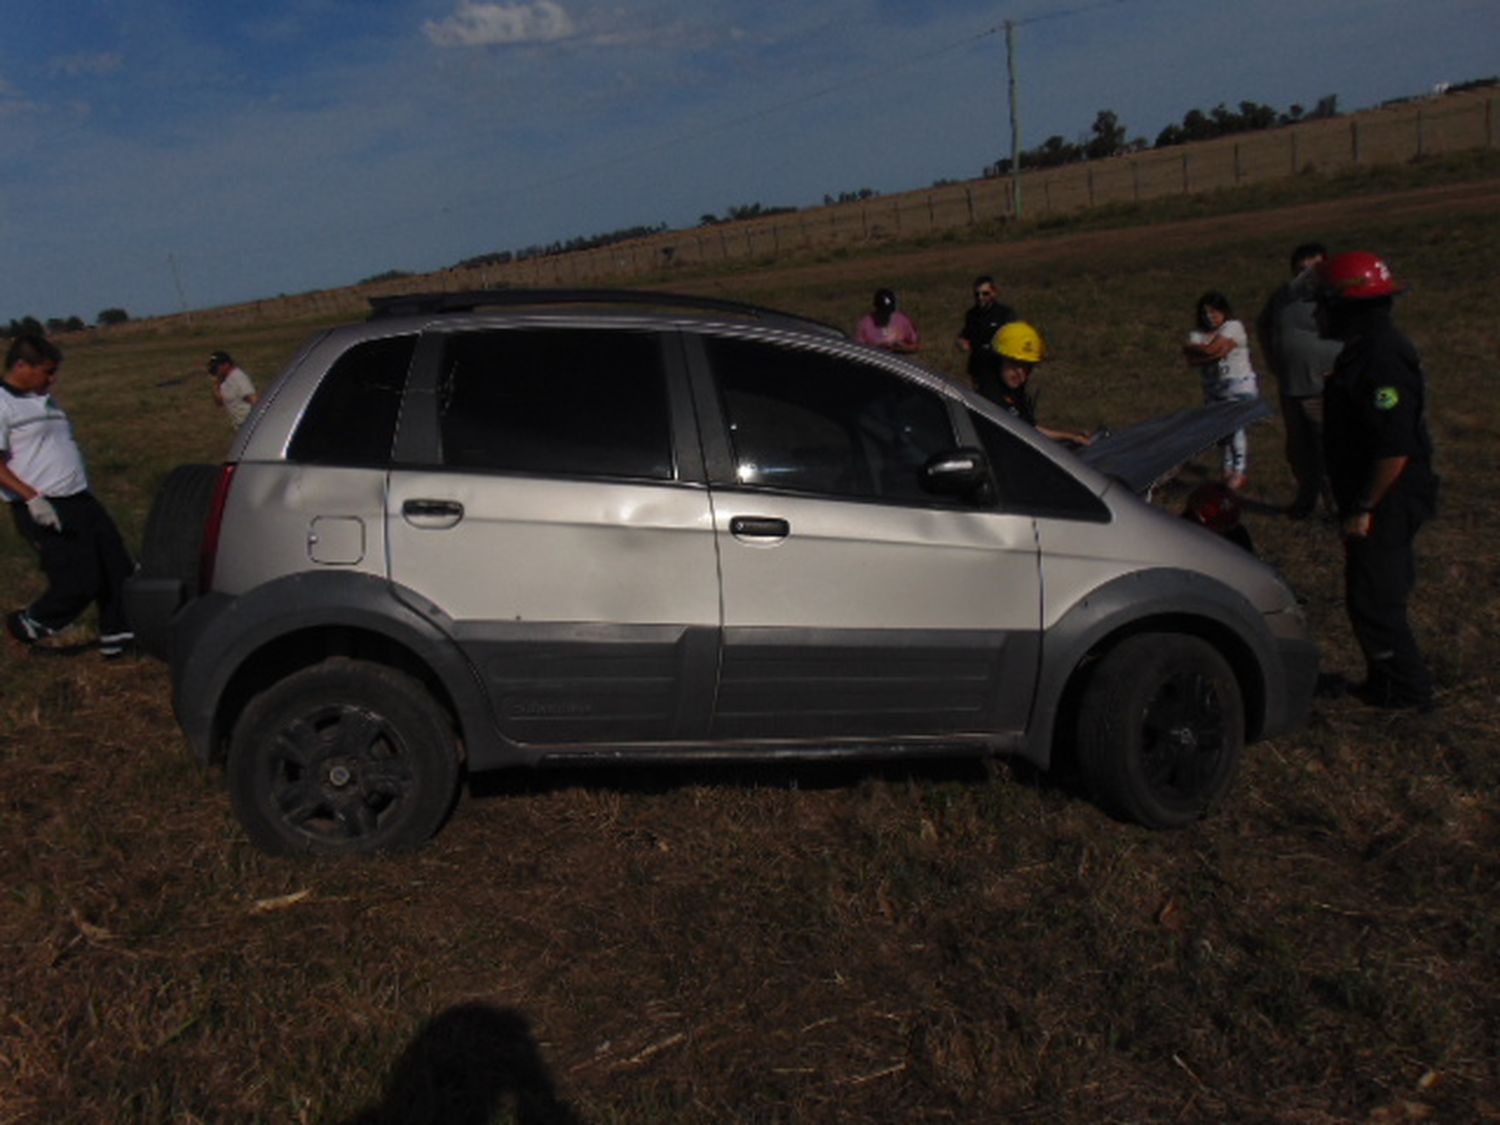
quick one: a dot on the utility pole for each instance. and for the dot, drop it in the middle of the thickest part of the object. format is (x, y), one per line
(1015, 119)
(177, 281)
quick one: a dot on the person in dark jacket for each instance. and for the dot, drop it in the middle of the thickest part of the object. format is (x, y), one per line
(984, 318)
(1378, 455)
(1300, 359)
(1019, 348)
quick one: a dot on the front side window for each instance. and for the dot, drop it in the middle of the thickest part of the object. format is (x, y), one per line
(556, 401)
(1030, 483)
(351, 419)
(808, 422)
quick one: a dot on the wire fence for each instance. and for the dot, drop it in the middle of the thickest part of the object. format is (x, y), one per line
(1390, 135)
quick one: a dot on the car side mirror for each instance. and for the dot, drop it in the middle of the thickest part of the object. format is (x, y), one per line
(962, 472)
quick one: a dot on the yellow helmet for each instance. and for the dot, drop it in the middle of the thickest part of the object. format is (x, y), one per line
(1019, 341)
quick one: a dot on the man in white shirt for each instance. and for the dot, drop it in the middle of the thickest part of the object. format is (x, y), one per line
(42, 478)
(233, 389)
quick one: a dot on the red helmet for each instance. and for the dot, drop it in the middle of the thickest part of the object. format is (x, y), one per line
(1213, 505)
(1356, 275)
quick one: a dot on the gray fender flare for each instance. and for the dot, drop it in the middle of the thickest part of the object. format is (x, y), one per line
(1163, 599)
(216, 635)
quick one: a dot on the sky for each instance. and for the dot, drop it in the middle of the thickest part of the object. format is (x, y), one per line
(157, 155)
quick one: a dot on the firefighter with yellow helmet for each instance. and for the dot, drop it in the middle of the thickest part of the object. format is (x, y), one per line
(1020, 348)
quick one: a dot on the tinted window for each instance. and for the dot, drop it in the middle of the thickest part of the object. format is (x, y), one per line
(558, 402)
(1031, 483)
(816, 423)
(351, 419)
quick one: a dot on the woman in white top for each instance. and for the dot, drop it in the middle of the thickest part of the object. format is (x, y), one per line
(1220, 350)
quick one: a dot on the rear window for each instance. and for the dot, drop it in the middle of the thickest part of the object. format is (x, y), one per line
(351, 419)
(556, 402)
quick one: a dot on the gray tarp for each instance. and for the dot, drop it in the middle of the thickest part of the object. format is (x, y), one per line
(1143, 455)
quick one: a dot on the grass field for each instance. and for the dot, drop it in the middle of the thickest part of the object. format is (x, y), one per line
(786, 944)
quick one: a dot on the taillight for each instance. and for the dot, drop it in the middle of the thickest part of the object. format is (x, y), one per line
(208, 550)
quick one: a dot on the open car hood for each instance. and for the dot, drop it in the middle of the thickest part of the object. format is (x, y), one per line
(1145, 454)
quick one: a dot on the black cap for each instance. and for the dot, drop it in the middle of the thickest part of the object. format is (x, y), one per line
(215, 359)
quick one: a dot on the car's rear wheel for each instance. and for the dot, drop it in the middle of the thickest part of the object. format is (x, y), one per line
(345, 757)
(1161, 727)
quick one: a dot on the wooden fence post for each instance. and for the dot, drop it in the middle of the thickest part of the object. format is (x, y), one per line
(1354, 142)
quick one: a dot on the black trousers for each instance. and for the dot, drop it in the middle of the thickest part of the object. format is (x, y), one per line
(1379, 574)
(86, 562)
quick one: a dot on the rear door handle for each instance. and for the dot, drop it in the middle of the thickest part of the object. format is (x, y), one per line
(432, 514)
(759, 527)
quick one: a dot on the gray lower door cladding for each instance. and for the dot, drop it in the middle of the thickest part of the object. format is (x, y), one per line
(875, 620)
(551, 684)
(844, 683)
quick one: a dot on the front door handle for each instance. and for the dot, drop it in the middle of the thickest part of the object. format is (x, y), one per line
(434, 515)
(759, 527)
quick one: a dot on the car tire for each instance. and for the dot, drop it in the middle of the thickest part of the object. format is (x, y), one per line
(345, 757)
(174, 528)
(1161, 727)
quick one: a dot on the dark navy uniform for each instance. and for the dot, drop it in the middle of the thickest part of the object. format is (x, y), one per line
(1015, 400)
(1374, 406)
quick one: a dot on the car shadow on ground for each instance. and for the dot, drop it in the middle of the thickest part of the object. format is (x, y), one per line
(657, 778)
(471, 1064)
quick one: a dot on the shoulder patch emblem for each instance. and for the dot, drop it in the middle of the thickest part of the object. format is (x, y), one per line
(1386, 398)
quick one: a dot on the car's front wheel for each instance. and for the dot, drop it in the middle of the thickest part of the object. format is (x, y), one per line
(344, 757)
(1160, 729)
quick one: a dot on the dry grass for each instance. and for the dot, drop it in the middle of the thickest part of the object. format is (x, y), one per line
(944, 943)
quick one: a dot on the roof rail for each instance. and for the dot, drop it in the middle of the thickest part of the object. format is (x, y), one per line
(421, 304)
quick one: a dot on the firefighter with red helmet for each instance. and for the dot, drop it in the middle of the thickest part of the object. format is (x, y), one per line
(1378, 455)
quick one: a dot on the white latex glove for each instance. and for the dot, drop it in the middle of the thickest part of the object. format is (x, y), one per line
(43, 512)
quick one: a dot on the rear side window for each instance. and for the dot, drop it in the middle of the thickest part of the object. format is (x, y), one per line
(809, 422)
(351, 419)
(1030, 483)
(558, 402)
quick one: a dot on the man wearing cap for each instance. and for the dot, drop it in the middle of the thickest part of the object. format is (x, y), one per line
(1379, 459)
(233, 389)
(887, 327)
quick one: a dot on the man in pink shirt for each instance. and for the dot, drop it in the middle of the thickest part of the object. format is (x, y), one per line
(884, 326)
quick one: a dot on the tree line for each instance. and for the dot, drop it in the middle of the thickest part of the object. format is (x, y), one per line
(57, 325)
(1108, 135)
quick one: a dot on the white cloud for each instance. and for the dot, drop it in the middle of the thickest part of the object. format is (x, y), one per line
(478, 25)
(74, 66)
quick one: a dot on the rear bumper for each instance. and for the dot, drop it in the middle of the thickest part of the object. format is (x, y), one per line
(150, 605)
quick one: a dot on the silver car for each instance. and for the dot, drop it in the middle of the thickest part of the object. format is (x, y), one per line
(520, 529)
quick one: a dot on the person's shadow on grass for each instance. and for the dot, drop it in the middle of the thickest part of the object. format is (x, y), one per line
(470, 1065)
